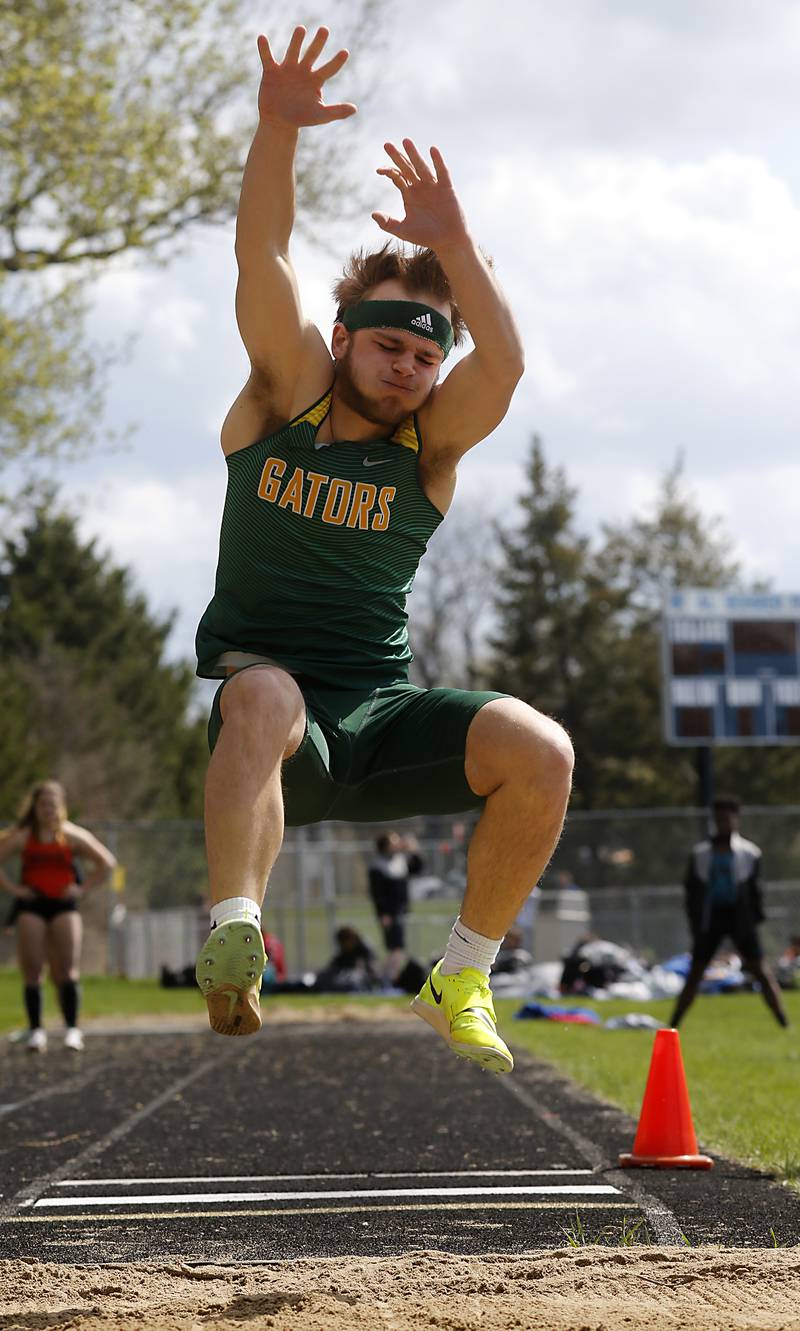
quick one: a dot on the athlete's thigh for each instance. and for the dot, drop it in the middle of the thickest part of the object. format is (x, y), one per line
(409, 752)
(748, 944)
(706, 944)
(64, 935)
(31, 941)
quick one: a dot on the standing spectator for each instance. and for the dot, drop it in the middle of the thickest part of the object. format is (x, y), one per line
(46, 901)
(724, 899)
(397, 860)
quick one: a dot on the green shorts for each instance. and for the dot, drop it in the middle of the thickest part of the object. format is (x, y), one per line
(392, 752)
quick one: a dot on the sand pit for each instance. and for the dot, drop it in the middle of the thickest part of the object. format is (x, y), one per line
(583, 1289)
(308, 1012)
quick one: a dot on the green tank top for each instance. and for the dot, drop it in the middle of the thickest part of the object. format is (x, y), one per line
(318, 551)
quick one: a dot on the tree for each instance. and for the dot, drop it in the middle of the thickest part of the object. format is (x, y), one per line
(93, 698)
(552, 614)
(451, 601)
(579, 637)
(122, 126)
(675, 545)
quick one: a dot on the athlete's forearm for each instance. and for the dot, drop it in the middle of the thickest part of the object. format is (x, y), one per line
(483, 307)
(266, 205)
(97, 876)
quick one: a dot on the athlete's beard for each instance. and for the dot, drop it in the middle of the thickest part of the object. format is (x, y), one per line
(375, 410)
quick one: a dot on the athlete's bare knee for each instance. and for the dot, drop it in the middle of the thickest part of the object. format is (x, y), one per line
(262, 695)
(265, 700)
(510, 741)
(553, 754)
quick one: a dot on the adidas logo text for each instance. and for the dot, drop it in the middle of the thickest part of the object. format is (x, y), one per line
(423, 321)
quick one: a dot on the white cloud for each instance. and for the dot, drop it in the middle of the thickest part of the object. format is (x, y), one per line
(166, 533)
(668, 296)
(633, 170)
(178, 321)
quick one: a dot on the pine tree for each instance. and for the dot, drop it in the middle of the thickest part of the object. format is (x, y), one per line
(552, 612)
(97, 700)
(680, 546)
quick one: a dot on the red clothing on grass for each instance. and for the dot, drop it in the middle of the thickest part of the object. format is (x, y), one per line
(276, 954)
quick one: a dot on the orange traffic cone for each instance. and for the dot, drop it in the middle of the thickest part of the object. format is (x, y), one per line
(665, 1137)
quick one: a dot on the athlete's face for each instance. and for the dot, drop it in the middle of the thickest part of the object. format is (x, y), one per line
(385, 374)
(726, 821)
(49, 810)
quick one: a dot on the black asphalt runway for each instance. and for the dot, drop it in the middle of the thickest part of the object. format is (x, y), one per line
(359, 1138)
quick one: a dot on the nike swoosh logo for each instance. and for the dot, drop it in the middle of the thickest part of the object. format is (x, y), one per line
(437, 997)
(375, 462)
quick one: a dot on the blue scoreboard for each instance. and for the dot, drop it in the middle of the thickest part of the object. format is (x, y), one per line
(731, 667)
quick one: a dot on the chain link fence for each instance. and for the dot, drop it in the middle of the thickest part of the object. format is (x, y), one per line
(629, 864)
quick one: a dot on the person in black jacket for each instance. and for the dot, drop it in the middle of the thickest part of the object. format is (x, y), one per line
(397, 860)
(724, 898)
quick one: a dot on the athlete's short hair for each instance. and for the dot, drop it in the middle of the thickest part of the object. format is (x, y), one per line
(727, 804)
(419, 270)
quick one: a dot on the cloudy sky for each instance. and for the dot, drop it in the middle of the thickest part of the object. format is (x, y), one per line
(633, 167)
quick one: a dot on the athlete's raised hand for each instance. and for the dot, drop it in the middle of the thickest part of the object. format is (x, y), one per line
(433, 213)
(291, 91)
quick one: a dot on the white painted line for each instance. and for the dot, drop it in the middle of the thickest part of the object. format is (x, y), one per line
(27, 1195)
(169, 1199)
(299, 1178)
(663, 1224)
(66, 1087)
(115, 1217)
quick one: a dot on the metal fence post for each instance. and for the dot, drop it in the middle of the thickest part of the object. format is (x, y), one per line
(329, 880)
(300, 898)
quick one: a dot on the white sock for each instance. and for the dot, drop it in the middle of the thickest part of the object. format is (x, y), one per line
(466, 948)
(235, 908)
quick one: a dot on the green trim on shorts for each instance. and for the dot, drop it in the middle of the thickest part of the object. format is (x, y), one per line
(373, 756)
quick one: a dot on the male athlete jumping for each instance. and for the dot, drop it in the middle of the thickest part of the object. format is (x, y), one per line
(341, 465)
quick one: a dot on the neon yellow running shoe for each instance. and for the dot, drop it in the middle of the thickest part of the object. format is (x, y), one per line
(459, 1008)
(228, 971)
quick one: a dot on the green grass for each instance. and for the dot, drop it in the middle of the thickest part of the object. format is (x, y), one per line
(612, 1235)
(742, 1070)
(103, 996)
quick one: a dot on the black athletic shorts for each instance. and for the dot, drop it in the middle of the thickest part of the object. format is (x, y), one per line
(379, 754)
(47, 908)
(725, 922)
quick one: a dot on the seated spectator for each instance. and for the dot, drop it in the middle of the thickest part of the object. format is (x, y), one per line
(275, 969)
(592, 964)
(788, 968)
(351, 969)
(512, 956)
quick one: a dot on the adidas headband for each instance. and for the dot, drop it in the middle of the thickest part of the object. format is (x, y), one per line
(409, 315)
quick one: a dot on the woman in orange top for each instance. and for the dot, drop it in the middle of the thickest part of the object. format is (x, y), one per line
(46, 901)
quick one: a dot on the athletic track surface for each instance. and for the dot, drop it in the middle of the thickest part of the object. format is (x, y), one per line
(331, 1139)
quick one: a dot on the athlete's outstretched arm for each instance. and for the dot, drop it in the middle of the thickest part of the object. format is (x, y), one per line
(476, 394)
(268, 309)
